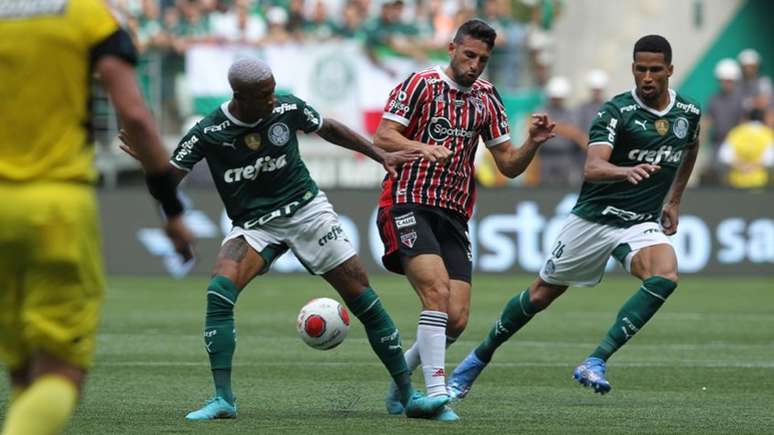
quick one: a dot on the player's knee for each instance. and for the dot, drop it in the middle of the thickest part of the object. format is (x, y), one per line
(435, 295)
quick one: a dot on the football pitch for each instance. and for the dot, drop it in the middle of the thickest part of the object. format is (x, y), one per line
(704, 364)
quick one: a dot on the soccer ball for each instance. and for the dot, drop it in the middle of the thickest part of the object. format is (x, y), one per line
(323, 323)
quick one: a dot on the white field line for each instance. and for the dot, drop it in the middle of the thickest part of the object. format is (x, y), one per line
(311, 363)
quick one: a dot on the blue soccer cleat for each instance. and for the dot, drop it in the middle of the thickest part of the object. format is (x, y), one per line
(392, 401)
(464, 375)
(421, 406)
(215, 408)
(445, 414)
(591, 373)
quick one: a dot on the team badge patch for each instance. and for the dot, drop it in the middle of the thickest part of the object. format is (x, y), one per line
(253, 141)
(662, 126)
(279, 134)
(409, 239)
(550, 267)
(681, 128)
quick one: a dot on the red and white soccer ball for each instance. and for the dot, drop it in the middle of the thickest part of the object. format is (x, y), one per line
(323, 323)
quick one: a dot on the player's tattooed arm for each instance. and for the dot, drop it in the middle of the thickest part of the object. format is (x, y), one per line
(337, 133)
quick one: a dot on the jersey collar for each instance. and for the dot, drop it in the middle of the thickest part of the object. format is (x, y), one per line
(450, 81)
(232, 118)
(672, 98)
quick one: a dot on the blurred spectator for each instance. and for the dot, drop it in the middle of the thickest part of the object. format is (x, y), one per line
(435, 20)
(586, 112)
(504, 66)
(296, 20)
(238, 25)
(389, 31)
(748, 152)
(277, 19)
(724, 112)
(562, 157)
(352, 22)
(756, 89)
(150, 33)
(319, 26)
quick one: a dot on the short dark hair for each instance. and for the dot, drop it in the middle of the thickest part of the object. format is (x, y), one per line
(654, 44)
(476, 29)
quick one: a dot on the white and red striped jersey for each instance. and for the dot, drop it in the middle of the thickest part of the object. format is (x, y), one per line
(438, 111)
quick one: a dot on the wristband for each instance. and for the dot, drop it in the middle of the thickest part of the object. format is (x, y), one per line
(164, 189)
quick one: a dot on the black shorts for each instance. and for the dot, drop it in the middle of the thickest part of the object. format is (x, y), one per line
(408, 230)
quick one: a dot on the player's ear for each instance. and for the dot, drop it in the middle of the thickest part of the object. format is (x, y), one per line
(452, 46)
(670, 70)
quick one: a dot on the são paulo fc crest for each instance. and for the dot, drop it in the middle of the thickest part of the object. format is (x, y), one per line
(681, 127)
(662, 126)
(279, 134)
(253, 141)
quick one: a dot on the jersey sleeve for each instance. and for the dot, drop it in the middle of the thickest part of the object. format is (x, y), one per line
(309, 119)
(605, 127)
(405, 100)
(695, 130)
(189, 151)
(95, 20)
(498, 130)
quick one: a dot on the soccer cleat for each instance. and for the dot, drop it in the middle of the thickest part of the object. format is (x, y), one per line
(421, 406)
(392, 401)
(445, 414)
(591, 373)
(215, 408)
(464, 375)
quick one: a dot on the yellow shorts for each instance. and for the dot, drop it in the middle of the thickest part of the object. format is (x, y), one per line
(51, 273)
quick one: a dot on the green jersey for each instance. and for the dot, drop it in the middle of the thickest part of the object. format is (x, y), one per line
(638, 134)
(256, 167)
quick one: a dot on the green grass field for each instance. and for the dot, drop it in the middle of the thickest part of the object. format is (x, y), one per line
(705, 363)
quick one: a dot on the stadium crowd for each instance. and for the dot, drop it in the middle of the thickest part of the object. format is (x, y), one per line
(737, 123)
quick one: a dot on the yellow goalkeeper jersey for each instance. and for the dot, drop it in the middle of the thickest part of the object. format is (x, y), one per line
(45, 72)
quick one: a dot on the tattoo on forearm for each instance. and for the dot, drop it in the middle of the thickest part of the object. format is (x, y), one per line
(234, 249)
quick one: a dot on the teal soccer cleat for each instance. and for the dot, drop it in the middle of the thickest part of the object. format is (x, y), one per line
(591, 373)
(215, 408)
(392, 401)
(446, 414)
(464, 375)
(421, 406)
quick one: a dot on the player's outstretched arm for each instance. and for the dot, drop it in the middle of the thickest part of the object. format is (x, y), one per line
(669, 214)
(337, 133)
(511, 161)
(120, 82)
(598, 168)
(389, 137)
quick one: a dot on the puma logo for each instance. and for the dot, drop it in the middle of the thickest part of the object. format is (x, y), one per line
(641, 124)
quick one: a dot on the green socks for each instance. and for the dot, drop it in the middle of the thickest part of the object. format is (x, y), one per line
(634, 314)
(220, 333)
(516, 314)
(384, 338)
